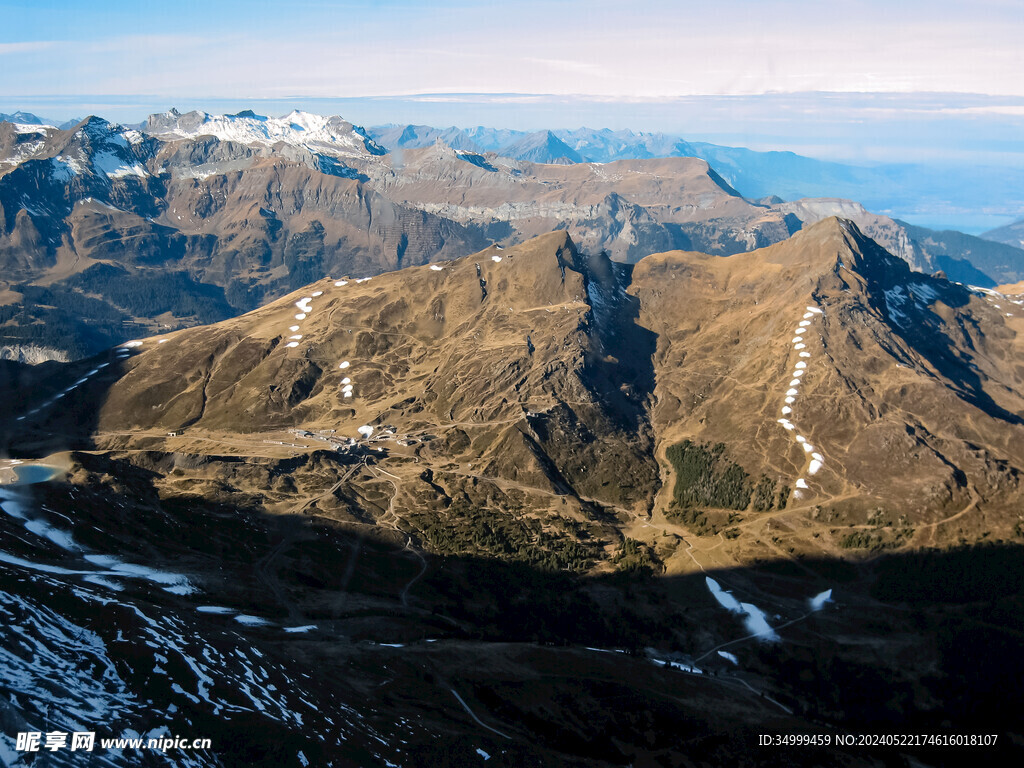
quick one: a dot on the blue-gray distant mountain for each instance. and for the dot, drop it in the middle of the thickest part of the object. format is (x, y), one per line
(494, 139)
(1011, 234)
(27, 118)
(542, 147)
(943, 192)
(418, 136)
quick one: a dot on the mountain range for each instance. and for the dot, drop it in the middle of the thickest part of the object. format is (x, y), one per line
(938, 191)
(535, 506)
(108, 231)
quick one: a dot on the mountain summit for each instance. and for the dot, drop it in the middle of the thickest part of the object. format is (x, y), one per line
(542, 147)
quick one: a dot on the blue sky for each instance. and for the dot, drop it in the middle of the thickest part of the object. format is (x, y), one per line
(860, 80)
(648, 50)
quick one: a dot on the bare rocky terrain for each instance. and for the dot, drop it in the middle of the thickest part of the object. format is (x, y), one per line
(538, 504)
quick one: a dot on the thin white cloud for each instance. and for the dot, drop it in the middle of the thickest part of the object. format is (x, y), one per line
(570, 66)
(999, 109)
(26, 47)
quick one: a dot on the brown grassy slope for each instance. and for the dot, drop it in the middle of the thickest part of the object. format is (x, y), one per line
(915, 406)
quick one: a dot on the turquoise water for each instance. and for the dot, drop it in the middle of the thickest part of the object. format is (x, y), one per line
(34, 473)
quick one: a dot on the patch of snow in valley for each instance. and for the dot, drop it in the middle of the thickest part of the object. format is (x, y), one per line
(113, 567)
(678, 665)
(753, 617)
(44, 530)
(729, 657)
(818, 601)
(175, 582)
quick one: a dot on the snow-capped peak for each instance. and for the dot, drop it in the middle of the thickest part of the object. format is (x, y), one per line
(318, 133)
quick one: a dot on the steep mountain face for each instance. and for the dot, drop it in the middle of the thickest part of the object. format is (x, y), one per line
(423, 511)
